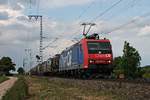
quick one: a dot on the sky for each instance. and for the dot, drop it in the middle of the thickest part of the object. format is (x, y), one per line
(122, 20)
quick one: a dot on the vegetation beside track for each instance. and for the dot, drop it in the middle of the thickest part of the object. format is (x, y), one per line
(60, 89)
(50, 88)
(18, 92)
(3, 78)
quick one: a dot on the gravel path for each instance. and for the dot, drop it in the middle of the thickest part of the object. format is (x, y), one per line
(6, 85)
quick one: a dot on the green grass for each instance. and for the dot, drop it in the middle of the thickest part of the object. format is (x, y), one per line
(18, 92)
(41, 88)
(3, 78)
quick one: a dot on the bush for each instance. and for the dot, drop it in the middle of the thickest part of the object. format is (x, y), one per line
(146, 75)
(18, 92)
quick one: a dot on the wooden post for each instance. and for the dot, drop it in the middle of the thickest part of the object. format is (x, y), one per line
(121, 77)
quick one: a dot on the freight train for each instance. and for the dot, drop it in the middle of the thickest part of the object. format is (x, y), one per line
(89, 57)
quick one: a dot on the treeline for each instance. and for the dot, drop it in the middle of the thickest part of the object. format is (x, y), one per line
(129, 64)
(6, 65)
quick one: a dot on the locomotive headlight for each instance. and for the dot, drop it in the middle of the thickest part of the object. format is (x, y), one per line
(91, 61)
(109, 61)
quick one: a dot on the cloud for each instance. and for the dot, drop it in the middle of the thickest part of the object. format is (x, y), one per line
(57, 47)
(8, 15)
(145, 31)
(62, 3)
(4, 15)
(45, 3)
(12, 4)
(2, 2)
(18, 6)
(48, 4)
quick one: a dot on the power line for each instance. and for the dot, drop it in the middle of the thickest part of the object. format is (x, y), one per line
(107, 10)
(101, 14)
(129, 22)
(50, 43)
(38, 6)
(79, 17)
(115, 4)
(86, 9)
(129, 5)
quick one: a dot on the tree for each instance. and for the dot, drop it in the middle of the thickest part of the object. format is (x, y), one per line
(117, 65)
(20, 71)
(130, 60)
(129, 63)
(6, 65)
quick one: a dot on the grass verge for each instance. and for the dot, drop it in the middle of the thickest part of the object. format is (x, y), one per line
(18, 92)
(3, 78)
(42, 88)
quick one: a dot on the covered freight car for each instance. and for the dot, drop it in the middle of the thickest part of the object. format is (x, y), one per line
(71, 58)
(55, 63)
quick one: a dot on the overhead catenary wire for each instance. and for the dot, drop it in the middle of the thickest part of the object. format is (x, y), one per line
(107, 10)
(128, 6)
(50, 43)
(101, 14)
(76, 19)
(85, 10)
(30, 6)
(129, 22)
(112, 6)
(36, 4)
(38, 7)
(53, 39)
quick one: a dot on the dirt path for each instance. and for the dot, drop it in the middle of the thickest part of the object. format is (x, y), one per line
(7, 85)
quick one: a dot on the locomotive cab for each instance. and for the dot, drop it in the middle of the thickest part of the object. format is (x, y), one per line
(97, 53)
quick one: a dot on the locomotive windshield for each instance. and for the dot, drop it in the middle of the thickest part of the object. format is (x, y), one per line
(99, 47)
